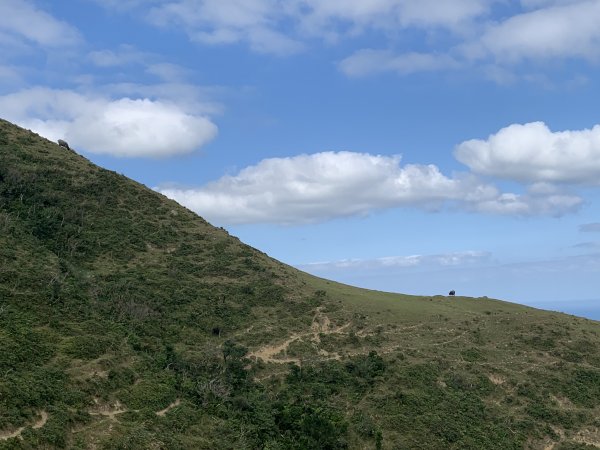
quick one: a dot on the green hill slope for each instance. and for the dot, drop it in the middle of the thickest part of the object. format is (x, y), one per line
(127, 321)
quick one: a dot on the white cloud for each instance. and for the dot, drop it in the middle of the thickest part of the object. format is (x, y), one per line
(543, 31)
(402, 262)
(564, 30)
(20, 18)
(309, 188)
(121, 127)
(534, 4)
(368, 62)
(358, 15)
(533, 153)
(529, 205)
(450, 13)
(464, 34)
(282, 27)
(321, 186)
(228, 22)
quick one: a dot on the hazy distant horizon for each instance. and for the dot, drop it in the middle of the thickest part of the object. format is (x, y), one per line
(588, 308)
(525, 284)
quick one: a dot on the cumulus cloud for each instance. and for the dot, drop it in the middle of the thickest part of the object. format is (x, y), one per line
(369, 62)
(533, 153)
(20, 18)
(120, 127)
(324, 185)
(321, 186)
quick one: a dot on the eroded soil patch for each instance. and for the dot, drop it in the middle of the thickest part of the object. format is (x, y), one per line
(6, 435)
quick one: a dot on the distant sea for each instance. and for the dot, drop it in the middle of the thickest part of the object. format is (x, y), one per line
(590, 309)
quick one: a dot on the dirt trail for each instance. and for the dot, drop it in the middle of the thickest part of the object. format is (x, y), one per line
(5, 435)
(41, 422)
(321, 324)
(497, 379)
(455, 338)
(269, 352)
(163, 412)
(371, 332)
(588, 436)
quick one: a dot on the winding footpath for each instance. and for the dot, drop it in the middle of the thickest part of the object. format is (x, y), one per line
(4, 436)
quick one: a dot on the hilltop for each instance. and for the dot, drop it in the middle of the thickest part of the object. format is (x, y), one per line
(127, 321)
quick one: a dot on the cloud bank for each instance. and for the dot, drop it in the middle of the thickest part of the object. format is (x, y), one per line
(453, 34)
(322, 186)
(283, 27)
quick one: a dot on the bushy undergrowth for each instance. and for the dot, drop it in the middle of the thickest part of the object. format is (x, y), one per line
(113, 298)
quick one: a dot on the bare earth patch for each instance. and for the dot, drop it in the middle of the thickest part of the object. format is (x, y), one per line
(588, 436)
(163, 412)
(321, 324)
(496, 379)
(6, 435)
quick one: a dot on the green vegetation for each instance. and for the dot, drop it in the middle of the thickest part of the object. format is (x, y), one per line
(126, 322)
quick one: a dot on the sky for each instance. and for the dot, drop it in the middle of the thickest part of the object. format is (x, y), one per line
(415, 146)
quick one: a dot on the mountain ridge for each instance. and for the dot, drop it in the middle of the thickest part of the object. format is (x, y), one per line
(127, 321)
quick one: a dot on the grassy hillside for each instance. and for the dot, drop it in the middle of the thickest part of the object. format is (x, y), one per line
(127, 321)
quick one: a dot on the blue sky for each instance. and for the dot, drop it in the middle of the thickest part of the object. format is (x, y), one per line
(414, 146)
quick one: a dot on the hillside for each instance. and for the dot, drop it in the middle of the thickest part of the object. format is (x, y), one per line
(127, 321)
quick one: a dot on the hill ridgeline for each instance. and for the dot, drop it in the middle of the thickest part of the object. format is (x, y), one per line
(128, 322)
